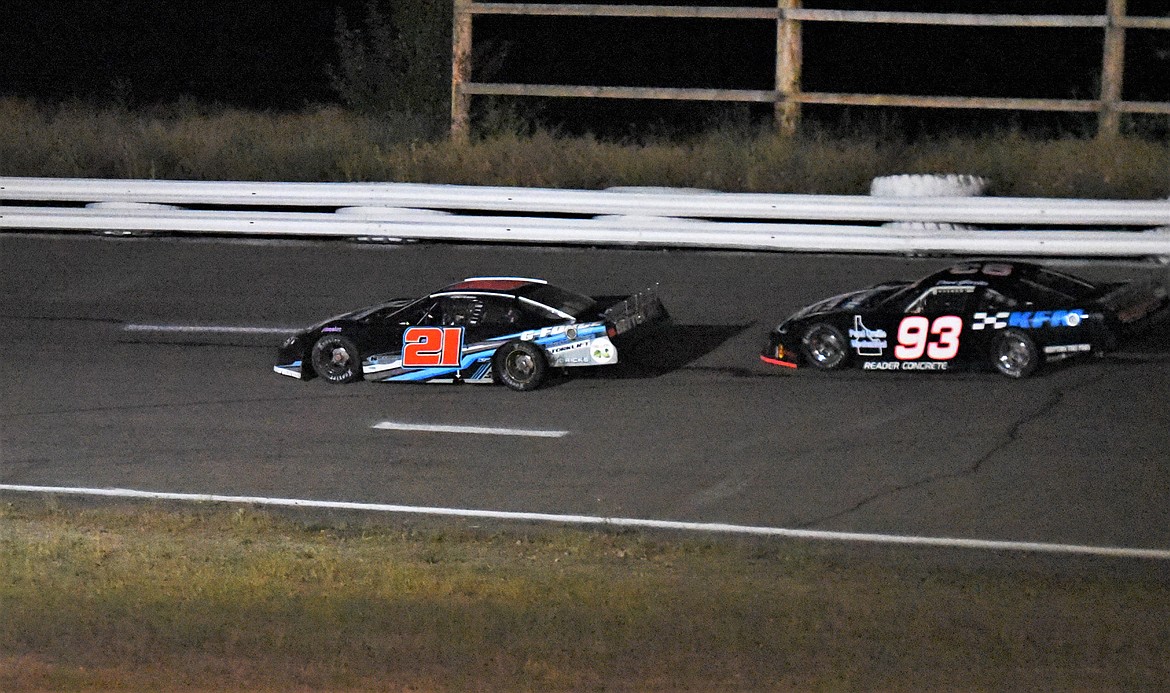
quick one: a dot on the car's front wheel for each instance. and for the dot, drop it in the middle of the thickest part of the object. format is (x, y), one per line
(1014, 354)
(520, 365)
(824, 346)
(336, 359)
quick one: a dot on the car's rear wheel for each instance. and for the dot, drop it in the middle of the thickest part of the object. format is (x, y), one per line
(520, 365)
(336, 359)
(1014, 354)
(825, 347)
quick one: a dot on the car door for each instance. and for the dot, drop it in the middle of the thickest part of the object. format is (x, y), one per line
(385, 329)
(933, 328)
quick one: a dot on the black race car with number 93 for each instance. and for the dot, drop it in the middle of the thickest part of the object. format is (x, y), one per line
(510, 330)
(1008, 316)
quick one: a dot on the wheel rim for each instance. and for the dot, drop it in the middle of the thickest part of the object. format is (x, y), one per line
(1014, 355)
(825, 348)
(340, 357)
(335, 360)
(521, 366)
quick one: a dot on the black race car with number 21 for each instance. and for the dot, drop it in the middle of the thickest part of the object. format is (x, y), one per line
(1008, 316)
(509, 330)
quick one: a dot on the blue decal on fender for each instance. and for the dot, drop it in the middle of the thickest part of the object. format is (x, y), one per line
(1047, 318)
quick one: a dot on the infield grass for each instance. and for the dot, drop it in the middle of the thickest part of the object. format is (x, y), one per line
(145, 597)
(194, 142)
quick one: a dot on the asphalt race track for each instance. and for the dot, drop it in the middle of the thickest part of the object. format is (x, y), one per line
(696, 429)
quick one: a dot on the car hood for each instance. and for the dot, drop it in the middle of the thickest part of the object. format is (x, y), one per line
(863, 299)
(360, 313)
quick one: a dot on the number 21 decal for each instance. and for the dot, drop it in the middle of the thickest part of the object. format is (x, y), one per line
(430, 347)
(914, 333)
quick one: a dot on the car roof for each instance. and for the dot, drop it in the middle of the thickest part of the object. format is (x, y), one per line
(512, 286)
(976, 271)
(1026, 277)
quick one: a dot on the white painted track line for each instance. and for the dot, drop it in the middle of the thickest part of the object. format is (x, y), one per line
(937, 542)
(209, 329)
(480, 430)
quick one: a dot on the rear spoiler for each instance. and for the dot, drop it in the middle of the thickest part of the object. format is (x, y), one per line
(1136, 302)
(642, 308)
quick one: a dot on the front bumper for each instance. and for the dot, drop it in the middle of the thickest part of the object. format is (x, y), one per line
(290, 358)
(777, 354)
(292, 370)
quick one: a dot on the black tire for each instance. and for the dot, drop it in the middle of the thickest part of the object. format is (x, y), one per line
(1014, 354)
(825, 347)
(336, 359)
(520, 365)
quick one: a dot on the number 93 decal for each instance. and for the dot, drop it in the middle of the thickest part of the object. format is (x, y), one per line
(914, 338)
(431, 347)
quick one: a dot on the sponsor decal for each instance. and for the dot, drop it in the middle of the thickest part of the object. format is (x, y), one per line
(1046, 318)
(867, 342)
(529, 335)
(905, 366)
(331, 329)
(996, 321)
(571, 331)
(1029, 320)
(1068, 348)
(602, 351)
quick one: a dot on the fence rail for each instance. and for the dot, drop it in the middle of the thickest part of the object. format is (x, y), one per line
(786, 94)
(654, 218)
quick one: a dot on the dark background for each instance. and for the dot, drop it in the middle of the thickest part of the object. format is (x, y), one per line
(276, 54)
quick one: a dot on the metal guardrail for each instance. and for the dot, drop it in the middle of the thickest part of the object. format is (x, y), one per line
(657, 218)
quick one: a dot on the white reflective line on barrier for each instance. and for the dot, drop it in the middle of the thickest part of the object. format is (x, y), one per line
(856, 537)
(209, 329)
(480, 430)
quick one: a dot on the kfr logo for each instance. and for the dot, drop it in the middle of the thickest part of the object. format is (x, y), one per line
(1045, 318)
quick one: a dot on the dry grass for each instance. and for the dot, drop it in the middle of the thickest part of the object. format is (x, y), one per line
(140, 598)
(329, 144)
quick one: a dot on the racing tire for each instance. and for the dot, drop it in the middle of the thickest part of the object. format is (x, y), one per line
(520, 366)
(336, 359)
(824, 347)
(1014, 354)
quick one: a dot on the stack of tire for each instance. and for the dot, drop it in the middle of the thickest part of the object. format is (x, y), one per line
(928, 185)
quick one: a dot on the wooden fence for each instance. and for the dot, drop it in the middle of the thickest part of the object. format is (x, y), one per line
(786, 95)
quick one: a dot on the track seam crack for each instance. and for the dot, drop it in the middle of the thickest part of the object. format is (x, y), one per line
(1010, 438)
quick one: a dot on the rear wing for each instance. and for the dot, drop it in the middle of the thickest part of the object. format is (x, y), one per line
(642, 308)
(1136, 303)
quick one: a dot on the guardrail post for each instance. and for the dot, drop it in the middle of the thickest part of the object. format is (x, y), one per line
(461, 71)
(1112, 70)
(788, 64)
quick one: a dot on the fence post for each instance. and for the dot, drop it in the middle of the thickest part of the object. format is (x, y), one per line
(788, 63)
(460, 71)
(1112, 70)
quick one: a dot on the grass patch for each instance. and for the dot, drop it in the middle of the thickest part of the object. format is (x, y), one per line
(192, 142)
(141, 597)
